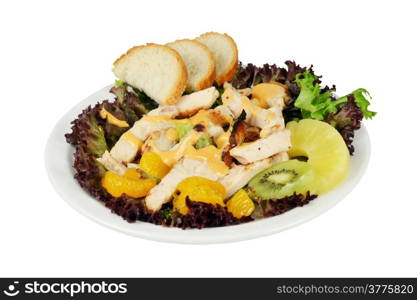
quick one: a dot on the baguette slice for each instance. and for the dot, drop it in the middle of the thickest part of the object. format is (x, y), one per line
(199, 62)
(224, 50)
(157, 70)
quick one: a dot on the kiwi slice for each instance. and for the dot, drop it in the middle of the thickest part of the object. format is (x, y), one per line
(282, 180)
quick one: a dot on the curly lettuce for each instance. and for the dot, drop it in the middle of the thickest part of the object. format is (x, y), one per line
(92, 136)
(360, 97)
(316, 103)
(88, 137)
(88, 133)
(96, 142)
(131, 99)
(347, 120)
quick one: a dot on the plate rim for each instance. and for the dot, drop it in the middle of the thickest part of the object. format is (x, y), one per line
(233, 233)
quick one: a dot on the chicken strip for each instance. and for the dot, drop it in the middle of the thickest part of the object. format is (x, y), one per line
(128, 145)
(277, 124)
(232, 99)
(126, 148)
(276, 142)
(158, 141)
(225, 111)
(240, 175)
(192, 103)
(276, 102)
(111, 164)
(255, 115)
(186, 167)
(164, 110)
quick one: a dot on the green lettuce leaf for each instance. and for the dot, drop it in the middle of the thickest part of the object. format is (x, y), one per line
(96, 143)
(361, 101)
(315, 103)
(119, 83)
(311, 101)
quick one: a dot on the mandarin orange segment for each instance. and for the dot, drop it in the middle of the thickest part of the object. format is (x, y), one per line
(152, 164)
(132, 173)
(117, 185)
(240, 205)
(198, 189)
(180, 204)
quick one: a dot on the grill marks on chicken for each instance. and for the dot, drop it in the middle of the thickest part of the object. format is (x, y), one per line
(245, 139)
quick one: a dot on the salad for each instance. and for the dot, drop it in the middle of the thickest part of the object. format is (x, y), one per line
(202, 140)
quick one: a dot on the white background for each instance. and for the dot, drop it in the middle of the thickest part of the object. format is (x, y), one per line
(53, 54)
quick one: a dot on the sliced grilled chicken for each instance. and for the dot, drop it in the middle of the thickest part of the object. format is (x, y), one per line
(159, 140)
(276, 102)
(124, 151)
(192, 103)
(126, 148)
(240, 175)
(186, 167)
(111, 164)
(277, 110)
(265, 147)
(173, 155)
(277, 124)
(224, 110)
(159, 119)
(215, 131)
(255, 115)
(164, 110)
(263, 118)
(188, 105)
(143, 128)
(221, 117)
(232, 99)
(280, 157)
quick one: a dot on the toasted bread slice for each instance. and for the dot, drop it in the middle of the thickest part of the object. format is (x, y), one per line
(199, 62)
(224, 50)
(157, 70)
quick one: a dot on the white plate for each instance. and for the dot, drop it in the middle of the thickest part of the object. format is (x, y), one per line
(59, 159)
